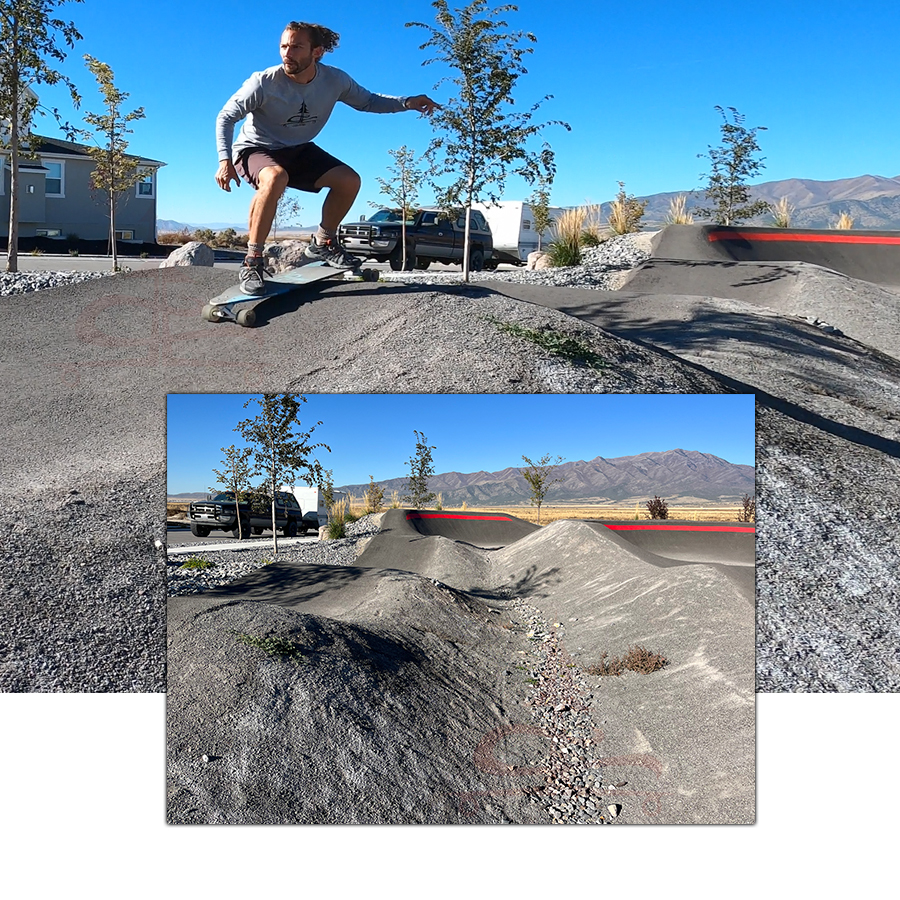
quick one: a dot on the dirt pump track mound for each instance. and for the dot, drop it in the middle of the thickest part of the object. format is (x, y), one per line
(416, 665)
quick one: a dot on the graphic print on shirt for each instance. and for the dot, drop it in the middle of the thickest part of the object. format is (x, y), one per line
(301, 118)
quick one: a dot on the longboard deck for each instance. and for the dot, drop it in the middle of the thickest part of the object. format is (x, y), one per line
(221, 307)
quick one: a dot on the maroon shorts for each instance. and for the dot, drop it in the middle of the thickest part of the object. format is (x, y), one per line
(305, 164)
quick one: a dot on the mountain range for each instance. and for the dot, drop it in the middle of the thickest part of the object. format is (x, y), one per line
(872, 200)
(683, 476)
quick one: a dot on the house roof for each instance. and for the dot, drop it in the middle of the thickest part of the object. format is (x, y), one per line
(56, 147)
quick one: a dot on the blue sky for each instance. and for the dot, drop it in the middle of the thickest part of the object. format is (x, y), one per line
(636, 81)
(372, 434)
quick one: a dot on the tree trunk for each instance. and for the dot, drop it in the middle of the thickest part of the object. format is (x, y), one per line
(12, 246)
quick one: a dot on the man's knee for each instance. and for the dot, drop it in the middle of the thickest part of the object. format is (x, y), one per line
(343, 178)
(273, 178)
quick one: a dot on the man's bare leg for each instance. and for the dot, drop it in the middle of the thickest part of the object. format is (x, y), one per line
(343, 184)
(272, 181)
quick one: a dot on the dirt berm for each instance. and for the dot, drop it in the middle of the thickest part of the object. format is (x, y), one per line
(423, 699)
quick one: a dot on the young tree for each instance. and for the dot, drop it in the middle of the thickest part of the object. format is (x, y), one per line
(539, 201)
(326, 486)
(421, 468)
(235, 476)
(286, 211)
(280, 450)
(402, 189)
(731, 164)
(538, 477)
(658, 508)
(29, 39)
(483, 142)
(374, 496)
(115, 172)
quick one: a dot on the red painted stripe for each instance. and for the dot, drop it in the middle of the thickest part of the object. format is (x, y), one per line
(631, 527)
(802, 238)
(454, 516)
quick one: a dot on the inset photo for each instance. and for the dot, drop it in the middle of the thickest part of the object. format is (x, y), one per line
(460, 609)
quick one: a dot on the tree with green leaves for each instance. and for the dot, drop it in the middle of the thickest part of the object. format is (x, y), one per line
(280, 450)
(115, 172)
(235, 477)
(538, 477)
(374, 496)
(30, 41)
(482, 141)
(402, 189)
(421, 468)
(326, 486)
(539, 201)
(731, 164)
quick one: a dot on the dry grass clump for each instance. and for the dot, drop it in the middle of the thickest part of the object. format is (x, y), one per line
(565, 248)
(637, 659)
(781, 213)
(678, 214)
(594, 232)
(844, 222)
(626, 212)
(748, 509)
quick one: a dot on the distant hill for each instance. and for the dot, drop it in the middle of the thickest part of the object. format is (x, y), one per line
(166, 225)
(872, 200)
(686, 476)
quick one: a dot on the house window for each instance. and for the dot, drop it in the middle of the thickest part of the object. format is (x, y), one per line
(54, 184)
(526, 224)
(48, 232)
(125, 235)
(145, 187)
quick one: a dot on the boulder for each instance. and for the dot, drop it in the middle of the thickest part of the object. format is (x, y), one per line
(194, 253)
(539, 259)
(285, 255)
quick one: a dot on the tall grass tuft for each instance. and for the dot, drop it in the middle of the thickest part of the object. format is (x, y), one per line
(626, 213)
(782, 211)
(678, 214)
(565, 248)
(594, 231)
(395, 499)
(337, 520)
(844, 222)
(439, 502)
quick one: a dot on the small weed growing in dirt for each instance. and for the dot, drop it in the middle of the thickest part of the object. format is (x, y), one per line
(658, 509)
(637, 659)
(553, 342)
(195, 562)
(272, 646)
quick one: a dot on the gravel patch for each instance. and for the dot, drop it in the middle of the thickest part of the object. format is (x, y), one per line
(26, 282)
(602, 268)
(229, 565)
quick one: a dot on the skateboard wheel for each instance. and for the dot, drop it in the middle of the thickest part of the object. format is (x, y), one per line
(370, 274)
(246, 318)
(208, 314)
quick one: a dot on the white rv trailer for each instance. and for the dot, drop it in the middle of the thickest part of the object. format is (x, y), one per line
(312, 502)
(512, 225)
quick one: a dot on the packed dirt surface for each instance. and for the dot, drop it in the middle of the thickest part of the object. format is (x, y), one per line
(442, 682)
(87, 367)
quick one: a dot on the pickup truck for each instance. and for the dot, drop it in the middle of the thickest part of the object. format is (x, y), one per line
(219, 513)
(430, 237)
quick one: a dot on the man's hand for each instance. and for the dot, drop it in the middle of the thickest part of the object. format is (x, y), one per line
(226, 174)
(422, 104)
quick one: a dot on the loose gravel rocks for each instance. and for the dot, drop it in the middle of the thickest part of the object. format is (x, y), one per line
(26, 282)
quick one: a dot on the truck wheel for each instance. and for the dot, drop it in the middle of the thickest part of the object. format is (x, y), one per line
(476, 261)
(422, 264)
(290, 530)
(244, 529)
(257, 530)
(395, 262)
(200, 530)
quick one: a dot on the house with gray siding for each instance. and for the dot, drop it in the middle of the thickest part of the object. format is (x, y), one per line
(56, 199)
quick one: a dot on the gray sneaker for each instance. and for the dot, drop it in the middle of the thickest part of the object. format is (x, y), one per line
(252, 280)
(331, 253)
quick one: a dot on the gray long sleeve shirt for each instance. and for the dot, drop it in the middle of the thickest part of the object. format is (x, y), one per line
(279, 113)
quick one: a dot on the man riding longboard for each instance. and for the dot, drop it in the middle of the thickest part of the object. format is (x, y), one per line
(284, 107)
